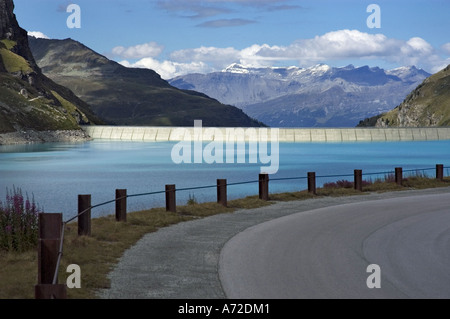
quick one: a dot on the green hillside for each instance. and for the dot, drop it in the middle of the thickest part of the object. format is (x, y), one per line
(29, 101)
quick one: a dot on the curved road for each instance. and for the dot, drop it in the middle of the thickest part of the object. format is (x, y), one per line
(324, 253)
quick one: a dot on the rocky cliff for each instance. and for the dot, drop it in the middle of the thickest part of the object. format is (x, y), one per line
(427, 105)
(11, 31)
(29, 101)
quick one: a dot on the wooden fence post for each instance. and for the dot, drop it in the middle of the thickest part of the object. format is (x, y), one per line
(47, 291)
(84, 220)
(121, 205)
(264, 186)
(222, 192)
(50, 226)
(171, 203)
(440, 172)
(398, 175)
(358, 180)
(312, 183)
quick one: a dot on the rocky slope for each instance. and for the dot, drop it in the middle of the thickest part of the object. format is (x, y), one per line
(129, 96)
(426, 105)
(306, 97)
(29, 101)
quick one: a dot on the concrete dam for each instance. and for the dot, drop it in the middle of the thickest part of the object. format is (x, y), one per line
(289, 135)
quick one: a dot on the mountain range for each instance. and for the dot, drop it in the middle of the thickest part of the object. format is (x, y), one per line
(318, 96)
(129, 96)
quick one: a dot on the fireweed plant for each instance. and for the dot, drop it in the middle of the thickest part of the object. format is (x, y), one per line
(18, 222)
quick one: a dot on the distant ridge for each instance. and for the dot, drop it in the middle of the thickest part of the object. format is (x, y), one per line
(317, 96)
(129, 96)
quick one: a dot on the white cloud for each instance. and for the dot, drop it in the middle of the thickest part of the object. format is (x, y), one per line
(446, 48)
(335, 46)
(251, 56)
(37, 34)
(419, 45)
(216, 57)
(151, 49)
(332, 46)
(169, 69)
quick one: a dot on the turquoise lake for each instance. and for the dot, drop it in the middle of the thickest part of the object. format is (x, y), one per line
(56, 173)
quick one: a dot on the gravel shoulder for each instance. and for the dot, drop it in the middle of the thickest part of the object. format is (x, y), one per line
(182, 261)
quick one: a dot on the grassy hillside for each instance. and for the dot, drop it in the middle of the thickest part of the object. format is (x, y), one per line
(32, 111)
(13, 63)
(29, 100)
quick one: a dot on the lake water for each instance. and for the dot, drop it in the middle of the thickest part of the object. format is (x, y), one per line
(56, 173)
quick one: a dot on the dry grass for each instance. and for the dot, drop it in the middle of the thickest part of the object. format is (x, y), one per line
(18, 274)
(100, 252)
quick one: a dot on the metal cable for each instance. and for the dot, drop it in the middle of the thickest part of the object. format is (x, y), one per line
(60, 252)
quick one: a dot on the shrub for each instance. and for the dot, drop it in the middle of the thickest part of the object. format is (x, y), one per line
(192, 200)
(330, 185)
(339, 184)
(344, 184)
(18, 222)
(389, 178)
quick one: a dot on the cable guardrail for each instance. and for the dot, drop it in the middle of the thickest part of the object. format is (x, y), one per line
(64, 223)
(242, 183)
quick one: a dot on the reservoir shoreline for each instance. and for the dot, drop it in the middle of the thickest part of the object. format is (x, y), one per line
(172, 134)
(33, 137)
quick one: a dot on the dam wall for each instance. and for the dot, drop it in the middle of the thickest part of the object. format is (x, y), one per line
(165, 134)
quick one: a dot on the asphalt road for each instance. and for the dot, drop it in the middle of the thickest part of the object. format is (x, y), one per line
(323, 253)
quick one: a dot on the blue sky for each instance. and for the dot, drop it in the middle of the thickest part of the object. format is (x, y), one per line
(176, 37)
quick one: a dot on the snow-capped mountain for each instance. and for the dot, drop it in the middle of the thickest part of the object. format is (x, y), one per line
(302, 97)
(276, 72)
